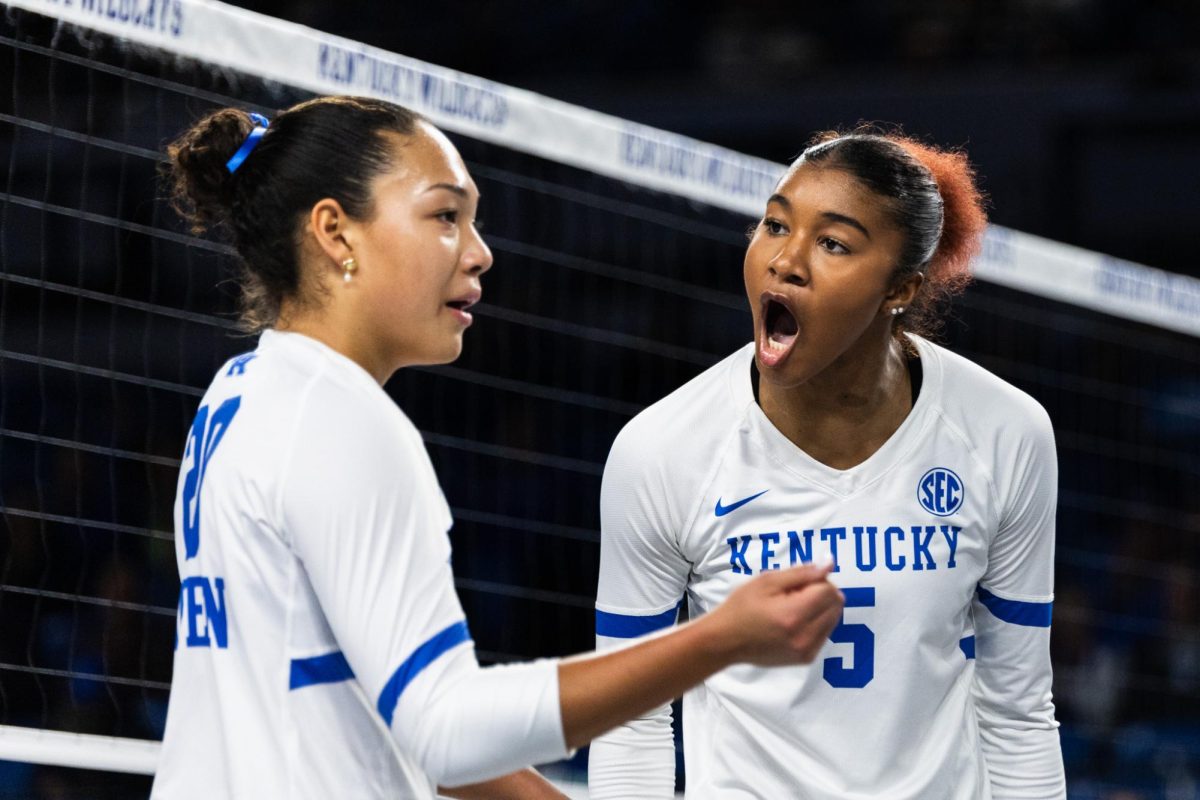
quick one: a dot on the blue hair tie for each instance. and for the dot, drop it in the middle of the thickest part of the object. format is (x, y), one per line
(251, 142)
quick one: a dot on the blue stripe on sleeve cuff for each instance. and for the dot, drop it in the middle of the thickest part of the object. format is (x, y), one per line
(630, 626)
(967, 645)
(1018, 612)
(422, 657)
(329, 668)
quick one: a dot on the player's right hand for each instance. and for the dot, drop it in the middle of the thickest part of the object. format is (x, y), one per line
(780, 617)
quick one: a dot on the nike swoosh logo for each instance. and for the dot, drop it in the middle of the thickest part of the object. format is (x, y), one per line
(721, 510)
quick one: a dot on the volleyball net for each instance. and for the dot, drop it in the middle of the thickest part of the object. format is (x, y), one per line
(618, 251)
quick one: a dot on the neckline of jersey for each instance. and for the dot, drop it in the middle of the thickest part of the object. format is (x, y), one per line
(272, 337)
(841, 482)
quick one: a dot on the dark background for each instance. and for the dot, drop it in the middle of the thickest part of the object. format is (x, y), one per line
(1083, 116)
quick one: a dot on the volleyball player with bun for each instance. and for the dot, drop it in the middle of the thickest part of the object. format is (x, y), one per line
(321, 650)
(843, 431)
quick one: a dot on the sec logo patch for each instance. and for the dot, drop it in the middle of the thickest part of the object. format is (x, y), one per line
(940, 492)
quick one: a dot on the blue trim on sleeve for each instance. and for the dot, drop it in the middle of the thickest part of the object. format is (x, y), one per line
(436, 646)
(967, 645)
(630, 626)
(1018, 612)
(329, 668)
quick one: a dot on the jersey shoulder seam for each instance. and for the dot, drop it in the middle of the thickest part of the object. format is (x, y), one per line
(973, 452)
(711, 476)
(305, 394)
(737, 418)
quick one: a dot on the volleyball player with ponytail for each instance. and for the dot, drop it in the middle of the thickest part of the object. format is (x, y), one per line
(321, 649)
(844, 431)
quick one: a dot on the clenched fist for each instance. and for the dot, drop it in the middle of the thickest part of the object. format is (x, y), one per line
(780, 617)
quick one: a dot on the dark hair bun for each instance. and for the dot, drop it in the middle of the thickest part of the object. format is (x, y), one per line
(200, 184)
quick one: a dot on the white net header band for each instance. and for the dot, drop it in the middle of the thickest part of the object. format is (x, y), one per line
(308, 59)
(80, 750)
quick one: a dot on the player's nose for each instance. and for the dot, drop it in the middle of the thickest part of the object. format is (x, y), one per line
(477, 256)
(790, 264)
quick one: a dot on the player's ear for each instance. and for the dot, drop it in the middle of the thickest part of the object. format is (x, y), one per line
(903, 291)
(327, 224)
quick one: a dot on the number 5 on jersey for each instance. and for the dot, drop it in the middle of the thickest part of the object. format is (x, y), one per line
(205, 435)
(863, 638)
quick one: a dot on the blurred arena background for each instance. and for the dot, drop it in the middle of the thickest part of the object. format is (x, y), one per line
(1083, 117)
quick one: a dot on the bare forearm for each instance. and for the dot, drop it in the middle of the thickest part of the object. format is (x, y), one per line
(599, 692)
(524, 785)
(777, 618)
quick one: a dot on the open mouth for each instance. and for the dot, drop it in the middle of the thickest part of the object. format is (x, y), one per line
(461, 306)
(779, 332)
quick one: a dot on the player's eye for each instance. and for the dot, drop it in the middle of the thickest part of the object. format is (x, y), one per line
(449, 216)
(833, 245)
(774, 227)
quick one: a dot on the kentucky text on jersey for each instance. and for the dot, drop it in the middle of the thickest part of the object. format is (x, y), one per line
(893, 547)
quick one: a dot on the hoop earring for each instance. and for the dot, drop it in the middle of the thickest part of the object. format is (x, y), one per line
(348, 268)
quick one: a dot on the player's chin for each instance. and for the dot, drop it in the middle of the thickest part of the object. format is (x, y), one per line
(445, 351)
(451, 350)
(794, 369)
(783, 379)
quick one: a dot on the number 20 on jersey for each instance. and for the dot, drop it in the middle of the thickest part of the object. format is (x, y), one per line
(202, 607)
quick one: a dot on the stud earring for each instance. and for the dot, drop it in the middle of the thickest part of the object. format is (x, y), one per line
(348, 268)
(897, 311)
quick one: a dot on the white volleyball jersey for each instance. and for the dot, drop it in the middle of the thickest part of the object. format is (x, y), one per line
(321, 650)
(936, 684)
